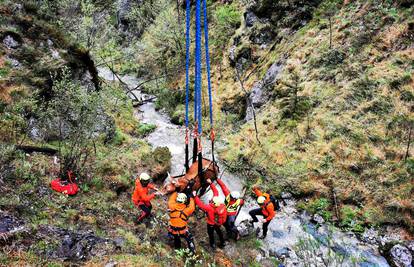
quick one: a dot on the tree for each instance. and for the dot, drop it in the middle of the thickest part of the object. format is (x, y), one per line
(293, 105)
(74, 115)
(328, 9)
(401, 127)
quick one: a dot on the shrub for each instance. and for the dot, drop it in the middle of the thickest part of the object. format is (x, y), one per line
(363, 89)
(320, 206)
(400, 81)
(145, 129)
(330, 59)
(350, 219)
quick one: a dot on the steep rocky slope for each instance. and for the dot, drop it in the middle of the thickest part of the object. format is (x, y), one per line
(330, 82)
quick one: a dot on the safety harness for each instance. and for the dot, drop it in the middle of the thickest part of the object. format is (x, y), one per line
(232, 207)
(181, 215)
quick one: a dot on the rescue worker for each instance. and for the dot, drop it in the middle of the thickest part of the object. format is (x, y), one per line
(232, 202)
(180, 211)
(216, 216)
(142, 196)
(267, 210)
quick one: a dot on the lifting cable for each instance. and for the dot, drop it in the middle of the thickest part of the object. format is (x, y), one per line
(197, 133)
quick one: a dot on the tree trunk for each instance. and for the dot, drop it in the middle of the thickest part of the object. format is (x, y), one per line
(250, 104)
(330, 32)
(407, 152)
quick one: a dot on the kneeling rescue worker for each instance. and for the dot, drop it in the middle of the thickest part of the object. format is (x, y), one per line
(216, 215)
(267, 210)
(232, 202)
(142, 197)
(180, 210)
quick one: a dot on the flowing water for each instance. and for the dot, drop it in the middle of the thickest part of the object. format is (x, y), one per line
(293, 238)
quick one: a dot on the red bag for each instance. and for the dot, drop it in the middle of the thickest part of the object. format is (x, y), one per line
(70, 188)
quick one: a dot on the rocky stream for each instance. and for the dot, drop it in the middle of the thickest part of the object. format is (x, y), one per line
(295, 237)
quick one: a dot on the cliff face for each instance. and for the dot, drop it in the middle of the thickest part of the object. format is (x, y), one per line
(334, 107)
(330, 83)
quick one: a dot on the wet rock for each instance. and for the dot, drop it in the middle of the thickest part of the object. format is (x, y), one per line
(410, 246)
(260, 92)
(262, 34)
(250, 18)
(14, 62)
(370, 236)
(280, 253)
(318, 219)
(240, 56)
(75, 246)
(401, 256)
(245, 228)
(286, 195)
(10, 42)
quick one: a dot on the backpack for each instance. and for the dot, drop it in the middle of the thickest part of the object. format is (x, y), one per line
(275, 202)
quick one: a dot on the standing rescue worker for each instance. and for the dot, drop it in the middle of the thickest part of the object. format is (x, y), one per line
(267, 210)
(142, 197)
(232, 202)
(180, 211)
(216, 216)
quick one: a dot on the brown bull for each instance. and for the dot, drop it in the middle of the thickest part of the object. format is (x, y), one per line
(179, 183)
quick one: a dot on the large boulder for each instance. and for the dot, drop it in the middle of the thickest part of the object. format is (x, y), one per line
(401, 256)
(11, 41)
(260, 93)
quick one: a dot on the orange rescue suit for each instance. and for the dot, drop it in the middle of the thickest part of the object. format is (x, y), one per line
(179, 214)
(141, 194)
(268, 208)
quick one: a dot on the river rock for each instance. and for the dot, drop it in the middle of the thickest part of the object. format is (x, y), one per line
(318, 219)
(245, 228)
(286, 195)
(370, 236)
(250, 18)
(10, 42)
(280, 253)
(13, 62)
(410, 246)
(401, 256)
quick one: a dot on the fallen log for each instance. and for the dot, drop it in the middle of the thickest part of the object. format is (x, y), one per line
(32, 149)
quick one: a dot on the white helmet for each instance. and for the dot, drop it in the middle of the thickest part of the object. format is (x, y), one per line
(144, 176)
(235, 194)
(217, 201)
(261, 200)
(181, 198)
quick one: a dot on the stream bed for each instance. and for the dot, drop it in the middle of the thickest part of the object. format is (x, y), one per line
(294, 238)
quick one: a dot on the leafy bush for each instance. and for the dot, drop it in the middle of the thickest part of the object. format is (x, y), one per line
(320, 206)
(350, 219)
(145, 129)
(228, 16)
(74, 115)
(331, 58)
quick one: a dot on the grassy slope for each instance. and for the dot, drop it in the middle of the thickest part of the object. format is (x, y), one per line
(103, 204)
(344, 143)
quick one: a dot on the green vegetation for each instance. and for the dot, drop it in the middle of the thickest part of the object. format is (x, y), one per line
(335, 126)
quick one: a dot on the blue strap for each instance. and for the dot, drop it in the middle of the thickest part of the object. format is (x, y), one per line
(210, 99)
(197, 108)
(187, 60)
